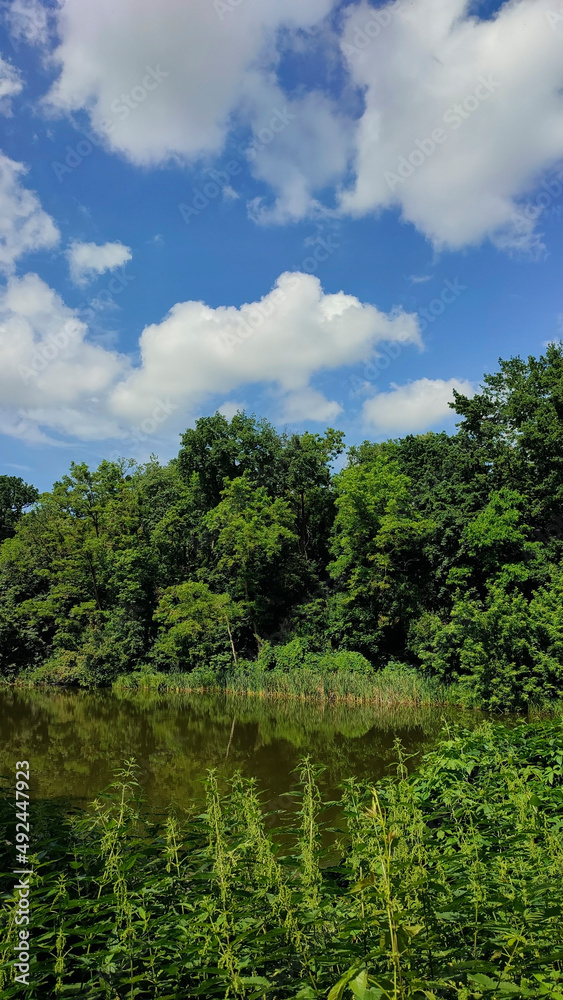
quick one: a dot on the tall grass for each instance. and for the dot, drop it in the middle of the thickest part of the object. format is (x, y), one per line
(443, 884)
(396, 684)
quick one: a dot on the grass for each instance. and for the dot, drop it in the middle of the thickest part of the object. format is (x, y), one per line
(446, 883)
(394, 685)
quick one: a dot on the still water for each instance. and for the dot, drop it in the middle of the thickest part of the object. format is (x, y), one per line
(75, 740)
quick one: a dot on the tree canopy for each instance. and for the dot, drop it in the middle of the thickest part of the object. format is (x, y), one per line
(444, 551)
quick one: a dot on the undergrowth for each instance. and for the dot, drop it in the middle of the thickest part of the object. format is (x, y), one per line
(445, 883)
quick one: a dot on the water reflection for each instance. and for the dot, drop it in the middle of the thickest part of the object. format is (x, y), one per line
(74, 741)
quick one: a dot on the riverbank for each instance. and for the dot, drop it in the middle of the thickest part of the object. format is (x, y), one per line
(317, 679)
(442, 884)
(394, 685)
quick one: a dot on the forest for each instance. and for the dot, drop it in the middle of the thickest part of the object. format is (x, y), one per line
(438, 555)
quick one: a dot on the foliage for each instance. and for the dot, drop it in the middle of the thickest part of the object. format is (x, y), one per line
(445, 884)
(15, 496)
(196, 626)
(442, 552)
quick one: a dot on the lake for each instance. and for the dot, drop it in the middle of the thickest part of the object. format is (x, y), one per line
(74, 740)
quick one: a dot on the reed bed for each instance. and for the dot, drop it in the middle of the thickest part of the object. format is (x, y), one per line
(444, 883)
(394, 685)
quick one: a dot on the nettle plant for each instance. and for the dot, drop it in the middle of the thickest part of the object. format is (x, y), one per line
(445, 883)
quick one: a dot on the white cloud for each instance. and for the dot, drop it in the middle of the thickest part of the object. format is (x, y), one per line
(147, 77)
(308, 149)
(54, 381)
(88, 260)
(309, 404)
(28, 21)
(295, 331)
(427, 57)
(24, 226)
(202, 58)
(10, 86)
(51, 379)
(414, 407)
(230, 407)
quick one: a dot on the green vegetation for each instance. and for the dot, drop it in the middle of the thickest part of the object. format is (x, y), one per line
(336, 676)
(443, 884)
(248, 563)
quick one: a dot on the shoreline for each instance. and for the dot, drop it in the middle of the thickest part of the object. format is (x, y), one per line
(162, 685)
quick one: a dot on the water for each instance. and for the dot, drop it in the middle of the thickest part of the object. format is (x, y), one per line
(75, 740)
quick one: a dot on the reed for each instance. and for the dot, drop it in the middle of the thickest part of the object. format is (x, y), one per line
(394, 685)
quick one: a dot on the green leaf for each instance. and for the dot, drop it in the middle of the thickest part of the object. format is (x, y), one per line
(337, 991)
(484, 981)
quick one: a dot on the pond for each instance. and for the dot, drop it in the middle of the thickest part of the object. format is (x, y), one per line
(75, 740)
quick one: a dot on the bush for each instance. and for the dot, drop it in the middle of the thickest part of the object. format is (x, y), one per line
(505, 652)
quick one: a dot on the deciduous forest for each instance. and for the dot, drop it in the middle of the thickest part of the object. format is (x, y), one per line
(439, 554)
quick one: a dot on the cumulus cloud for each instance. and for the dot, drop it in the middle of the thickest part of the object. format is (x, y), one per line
(309, 404)
(295, 331)
(51, 379)
(10, 86)
(305, 151)
(148, 78)
(54, 381)
(88, 260)
(414, 407)
(24, 226)
(148, 74)
(462, 118)
(493, 90)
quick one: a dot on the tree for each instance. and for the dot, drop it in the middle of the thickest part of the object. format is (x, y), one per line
(308, 487)
(219, 450)
(15, 496)
(196, 626)
(378, 552)
(516, 424)
(251, 533)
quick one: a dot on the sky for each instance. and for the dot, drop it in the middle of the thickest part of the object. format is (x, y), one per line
(324, 213)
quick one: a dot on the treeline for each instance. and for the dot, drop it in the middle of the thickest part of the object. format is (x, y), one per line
(442, 552)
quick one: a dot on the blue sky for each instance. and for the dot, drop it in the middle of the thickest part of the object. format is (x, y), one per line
(403, 163)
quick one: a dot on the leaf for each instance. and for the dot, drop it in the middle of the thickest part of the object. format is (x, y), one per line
(362, 991)
(485, 981)
(337, 991)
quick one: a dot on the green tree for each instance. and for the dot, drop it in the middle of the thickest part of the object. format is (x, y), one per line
(15, 496)
(196, 627)
(218, 450)
(378, 552)
(252, 534)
